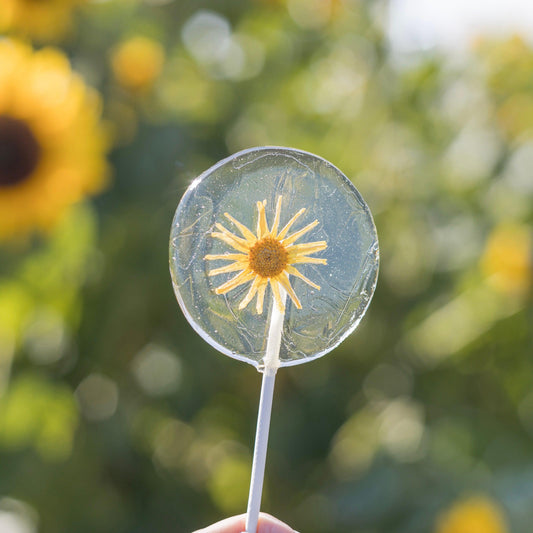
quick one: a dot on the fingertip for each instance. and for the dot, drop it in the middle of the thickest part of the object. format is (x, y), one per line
(236, 524)
(270, 524)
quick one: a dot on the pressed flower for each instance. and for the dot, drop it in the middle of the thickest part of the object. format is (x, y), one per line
(52, 144)
(267, 256)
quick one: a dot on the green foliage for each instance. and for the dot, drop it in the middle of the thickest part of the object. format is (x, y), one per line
(429, 400)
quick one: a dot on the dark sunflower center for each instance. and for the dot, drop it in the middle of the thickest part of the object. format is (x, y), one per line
(268, 257)
(19, 151)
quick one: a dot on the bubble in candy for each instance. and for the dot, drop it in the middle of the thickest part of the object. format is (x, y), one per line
(273, 227)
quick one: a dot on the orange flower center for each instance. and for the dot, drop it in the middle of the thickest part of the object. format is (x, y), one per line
(268, 258)
(19, 151)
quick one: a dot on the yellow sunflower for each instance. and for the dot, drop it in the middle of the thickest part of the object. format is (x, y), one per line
(507, 260)
(39, 19)
(476, 514)
(52, 144)
(137, 63)
(266, 257)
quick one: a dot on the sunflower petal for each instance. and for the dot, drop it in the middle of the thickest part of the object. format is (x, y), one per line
(247, 234)
(233, 267)
(307, 248)
(230, 240)
(289, 224)
(262, 226)
(261, 296)
(239, 279)
(312, 260)
(229, 257)
(274, 283)
(298, 274)
(251, 293)
(284, 280)
(295, 236)
(277, 216)
(227, 232)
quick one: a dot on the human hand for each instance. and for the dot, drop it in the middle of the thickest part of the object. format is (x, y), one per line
(236, 524)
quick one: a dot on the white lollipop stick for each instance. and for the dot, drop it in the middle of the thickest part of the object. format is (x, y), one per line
(271, 363)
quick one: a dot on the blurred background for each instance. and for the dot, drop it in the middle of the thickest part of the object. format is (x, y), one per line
(114, 415)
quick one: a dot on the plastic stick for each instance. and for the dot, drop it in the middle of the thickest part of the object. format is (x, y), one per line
(271, 363)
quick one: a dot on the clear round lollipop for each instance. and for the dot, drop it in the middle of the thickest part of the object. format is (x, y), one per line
(274, 260)
(266, 220)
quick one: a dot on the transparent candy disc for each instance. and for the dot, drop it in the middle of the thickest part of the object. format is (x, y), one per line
(273, 227)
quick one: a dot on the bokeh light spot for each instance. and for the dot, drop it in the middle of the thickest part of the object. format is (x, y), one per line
(97, 397)
(157, 370)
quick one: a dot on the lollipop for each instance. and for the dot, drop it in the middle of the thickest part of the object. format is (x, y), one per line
(274, 259)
